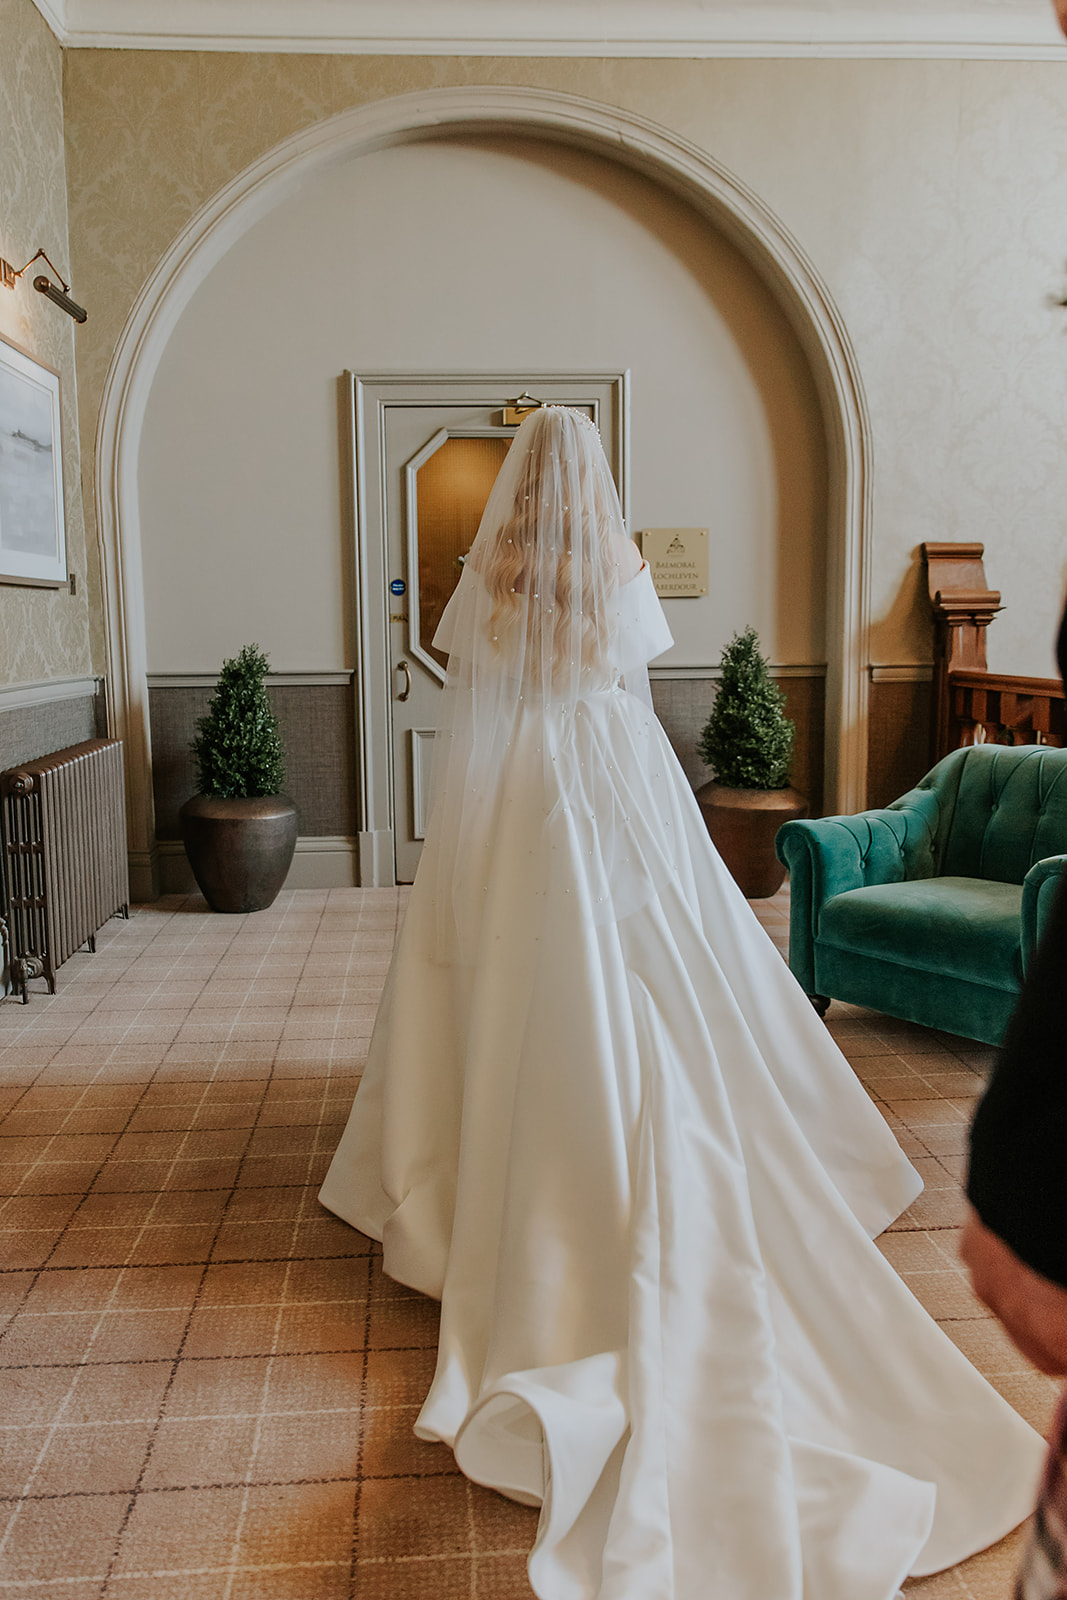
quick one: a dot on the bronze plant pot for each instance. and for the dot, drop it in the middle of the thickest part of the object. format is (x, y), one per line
(742, 824)
(239, 850)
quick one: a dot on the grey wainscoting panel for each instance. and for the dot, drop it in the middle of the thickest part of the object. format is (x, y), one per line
(317, 722)
(31, 731)
(684, 705)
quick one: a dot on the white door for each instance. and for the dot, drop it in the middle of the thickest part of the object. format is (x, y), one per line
(426, 452)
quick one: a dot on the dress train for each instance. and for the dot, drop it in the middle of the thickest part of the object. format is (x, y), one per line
(631, 1163)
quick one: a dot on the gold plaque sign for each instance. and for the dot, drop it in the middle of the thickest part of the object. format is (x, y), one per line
(679, 560)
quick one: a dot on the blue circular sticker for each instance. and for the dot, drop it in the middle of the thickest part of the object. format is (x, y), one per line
(398, 586)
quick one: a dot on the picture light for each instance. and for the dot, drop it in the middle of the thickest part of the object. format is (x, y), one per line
(59, 293)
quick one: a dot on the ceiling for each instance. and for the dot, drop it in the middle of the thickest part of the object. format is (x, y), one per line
(964, 29)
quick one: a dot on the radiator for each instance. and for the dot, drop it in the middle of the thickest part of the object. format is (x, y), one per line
(63, 828)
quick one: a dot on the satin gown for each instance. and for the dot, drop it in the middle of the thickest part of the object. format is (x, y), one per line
(631, 1163)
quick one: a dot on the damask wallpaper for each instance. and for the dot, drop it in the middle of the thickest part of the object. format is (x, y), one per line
(44, 633)
(931, 196)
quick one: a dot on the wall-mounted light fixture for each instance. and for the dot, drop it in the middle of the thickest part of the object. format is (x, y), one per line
(59, 293)
(515, 410)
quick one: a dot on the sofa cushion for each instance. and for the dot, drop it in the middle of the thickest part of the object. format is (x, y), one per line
(1010, 810)
(966, 927)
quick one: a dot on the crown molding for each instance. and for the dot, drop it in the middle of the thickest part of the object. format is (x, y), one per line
(695, 29)
(54, 13)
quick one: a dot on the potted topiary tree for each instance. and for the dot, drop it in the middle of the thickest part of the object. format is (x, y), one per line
(748, 740)
(239, 831)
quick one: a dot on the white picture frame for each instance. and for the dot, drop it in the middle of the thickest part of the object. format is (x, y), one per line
(33, 546)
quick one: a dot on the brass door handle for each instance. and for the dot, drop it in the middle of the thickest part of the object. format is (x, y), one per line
(403, 667)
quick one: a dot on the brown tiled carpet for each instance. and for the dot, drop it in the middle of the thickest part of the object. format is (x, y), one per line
(207, 1385)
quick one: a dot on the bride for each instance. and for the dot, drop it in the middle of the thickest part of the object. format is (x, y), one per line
(603, 1126)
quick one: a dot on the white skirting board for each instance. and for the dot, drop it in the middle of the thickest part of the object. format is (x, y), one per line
(319, 863)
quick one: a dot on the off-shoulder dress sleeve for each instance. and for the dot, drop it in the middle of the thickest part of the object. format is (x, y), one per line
(642, 633)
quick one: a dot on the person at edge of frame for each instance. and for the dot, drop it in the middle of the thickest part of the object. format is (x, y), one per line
(1015, 1240)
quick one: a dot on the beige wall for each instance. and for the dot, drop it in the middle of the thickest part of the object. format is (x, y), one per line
(44, 633)
(930, 196)
(472, 254)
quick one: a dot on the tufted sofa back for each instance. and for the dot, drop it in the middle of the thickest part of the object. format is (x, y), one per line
(1001, 808)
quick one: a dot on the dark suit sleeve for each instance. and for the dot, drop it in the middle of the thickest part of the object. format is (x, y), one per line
(1018, 1173)
(1018, 1170)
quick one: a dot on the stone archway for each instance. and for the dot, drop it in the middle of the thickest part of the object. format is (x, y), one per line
(633, 141)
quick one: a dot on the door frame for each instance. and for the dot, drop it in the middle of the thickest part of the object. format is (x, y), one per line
(367, 399)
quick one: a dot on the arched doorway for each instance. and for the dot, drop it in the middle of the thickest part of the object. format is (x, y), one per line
(668, 161)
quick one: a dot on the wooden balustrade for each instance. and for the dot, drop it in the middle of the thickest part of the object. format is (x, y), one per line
(970, 704)
(989, 708)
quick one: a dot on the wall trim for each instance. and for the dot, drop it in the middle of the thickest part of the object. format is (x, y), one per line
(323, 844)
(665, 157)
(692, 29)
(43, 691)
(669, 674)
(321, 861)
(281, 680)
(144, 871)
(308, 844)
(909, 672)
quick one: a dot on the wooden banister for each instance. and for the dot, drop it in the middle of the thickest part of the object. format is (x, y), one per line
(971, 705)
(964, 605)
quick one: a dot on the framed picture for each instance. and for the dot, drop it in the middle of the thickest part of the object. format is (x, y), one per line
(33, 546)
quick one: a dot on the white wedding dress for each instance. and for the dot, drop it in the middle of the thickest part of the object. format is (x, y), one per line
(613, 1138)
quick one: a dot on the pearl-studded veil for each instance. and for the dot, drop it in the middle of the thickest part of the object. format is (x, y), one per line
(536, 637)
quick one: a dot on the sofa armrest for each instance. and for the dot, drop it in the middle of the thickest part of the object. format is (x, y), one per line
(1039, 888)
(830, 855)
(813, 852)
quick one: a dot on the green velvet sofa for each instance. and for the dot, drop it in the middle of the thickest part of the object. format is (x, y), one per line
(931, 908)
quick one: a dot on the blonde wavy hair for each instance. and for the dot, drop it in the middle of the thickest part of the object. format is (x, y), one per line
(557, 553)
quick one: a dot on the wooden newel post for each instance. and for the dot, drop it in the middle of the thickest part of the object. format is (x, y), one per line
(964, 606)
